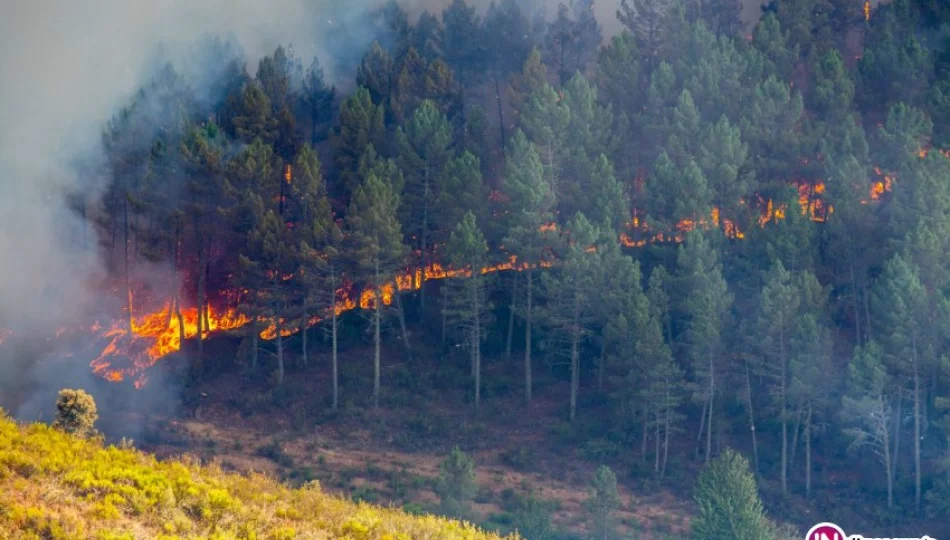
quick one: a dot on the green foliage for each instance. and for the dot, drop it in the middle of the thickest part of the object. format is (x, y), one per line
(602, 502)
(456, 483)
(729, 505)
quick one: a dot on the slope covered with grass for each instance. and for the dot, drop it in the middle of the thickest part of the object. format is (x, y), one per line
(54, 486)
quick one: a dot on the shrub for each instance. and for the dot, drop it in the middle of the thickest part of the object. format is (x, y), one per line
(603, 501)
(456, 484)
(522, 458)
(76, 413)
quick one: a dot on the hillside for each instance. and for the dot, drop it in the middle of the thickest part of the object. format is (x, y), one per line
(56, 486)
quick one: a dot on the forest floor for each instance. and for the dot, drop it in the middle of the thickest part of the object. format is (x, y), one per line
(391, 456)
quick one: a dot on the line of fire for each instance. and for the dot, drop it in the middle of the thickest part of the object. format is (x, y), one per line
(156, 328)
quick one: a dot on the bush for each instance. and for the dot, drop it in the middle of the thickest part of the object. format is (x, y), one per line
(600, 450)
(76, 413)
(456, 484)
(522, 458)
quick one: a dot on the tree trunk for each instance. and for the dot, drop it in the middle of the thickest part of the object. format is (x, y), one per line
(304, 323)
(255, 350)
(402, 326)
(445, 315)
(897, 429)
(202, 277)
(807, 435)
(784, 375)
(656, 442)
(666, 430)
(888, 470)
(799, 415)
(712, 397)
(280, 351)
(755, 445)
(378, 321)
(702, 427)
(424, 238)
(527, 340)
(600, 365)
(128, 274)
(477, 339)
(333, 331)
(501, 112)
(575, 355)
(181, 320)
(854, 297)
(511, 316)
(916, 425)
(643, 434)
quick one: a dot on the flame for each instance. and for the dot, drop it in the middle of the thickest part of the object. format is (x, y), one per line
(867, 10)
(288, 173)
(155, 335)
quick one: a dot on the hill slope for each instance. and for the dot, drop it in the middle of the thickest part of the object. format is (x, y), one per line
(56, 486)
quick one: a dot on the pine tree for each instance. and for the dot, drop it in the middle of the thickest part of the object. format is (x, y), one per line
(533, 76)
(267, 268)
(417, 81)
(423, 151)
(769, 127)
(569, 312)
(900, 311)
(317, 98)
(676, 194)
(722, 155)
(462, 45)
(704, 300)
(468, 306)
(867, 409)
(772, 41)
(779, 307)
(544, 119)
(811, 366)
(426, 36)
(729, 504)
(645, 20)
(507, 45)
(530, 202)
(320, 252)
(254, 117)
(572, 39)
(602, 502)
(456, 483)
(723, 16)
(376, 73)
(376, 249)
(360, 126)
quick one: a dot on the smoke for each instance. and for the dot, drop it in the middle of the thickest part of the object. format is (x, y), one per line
(67, 66)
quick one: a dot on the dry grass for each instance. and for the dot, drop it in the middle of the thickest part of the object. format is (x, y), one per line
(53, 486)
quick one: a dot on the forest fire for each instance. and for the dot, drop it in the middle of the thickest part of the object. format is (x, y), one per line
(159, 333)
(155, 335)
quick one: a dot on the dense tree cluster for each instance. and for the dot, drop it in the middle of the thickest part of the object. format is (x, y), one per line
(744, 236)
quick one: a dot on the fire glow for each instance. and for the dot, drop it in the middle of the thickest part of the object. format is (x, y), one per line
(146, 338)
